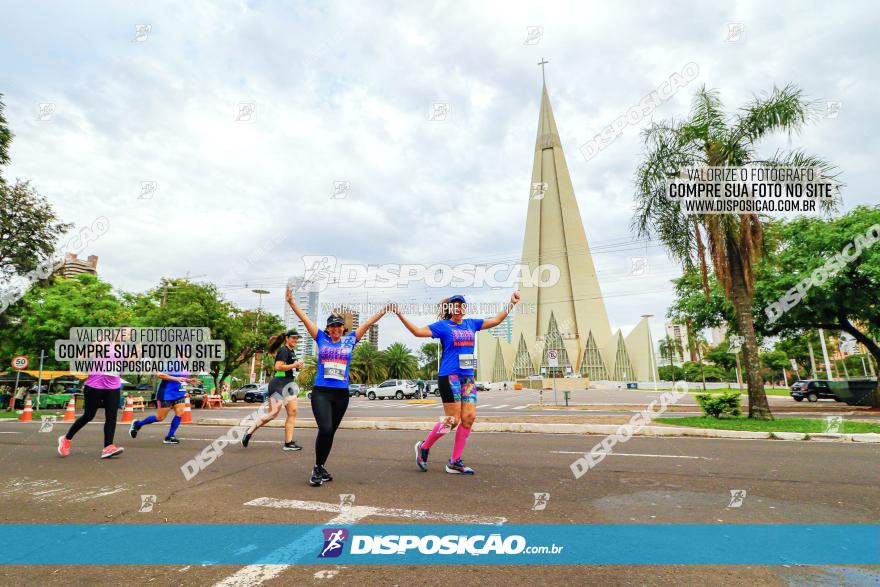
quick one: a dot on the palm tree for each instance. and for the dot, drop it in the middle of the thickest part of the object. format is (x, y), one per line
(700, 347)
(400, 362)
(306, 376)
(367, 364)
(709, 137)
(670, 348)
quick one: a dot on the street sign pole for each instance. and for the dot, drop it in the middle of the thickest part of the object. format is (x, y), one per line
(40, 379)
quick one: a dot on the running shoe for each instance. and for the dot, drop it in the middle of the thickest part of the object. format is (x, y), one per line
(246, 439)
(133, 430)
(111, 451)
(292, 445)
(458, 468)
(170, 440)
(317, 477)
(421, 456)
(63, 446)
(325, 474)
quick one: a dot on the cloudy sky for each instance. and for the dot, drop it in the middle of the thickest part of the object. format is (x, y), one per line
(243, 116)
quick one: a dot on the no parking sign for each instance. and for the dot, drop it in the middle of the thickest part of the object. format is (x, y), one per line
(552, 359)
(19, 363)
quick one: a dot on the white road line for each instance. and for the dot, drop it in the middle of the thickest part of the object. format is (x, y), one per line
(252, 575)
(484, 406)
(5, 432)
(632, 454)
(501, 406)
(519, 407)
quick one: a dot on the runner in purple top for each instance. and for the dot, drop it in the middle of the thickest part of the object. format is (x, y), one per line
(101, 390)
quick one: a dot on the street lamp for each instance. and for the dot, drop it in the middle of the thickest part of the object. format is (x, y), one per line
(260, 293)
(653, 359)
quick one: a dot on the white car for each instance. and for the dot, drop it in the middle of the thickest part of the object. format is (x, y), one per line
(396, 388)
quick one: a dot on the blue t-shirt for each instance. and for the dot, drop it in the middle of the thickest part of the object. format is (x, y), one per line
(334, 360)
(458, 345)
(170, 390)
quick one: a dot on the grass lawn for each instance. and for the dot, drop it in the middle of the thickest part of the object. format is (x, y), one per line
(780, 425)
(13, 414)
(695, 387)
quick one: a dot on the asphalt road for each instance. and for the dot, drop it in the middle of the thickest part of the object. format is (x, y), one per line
(651, 480)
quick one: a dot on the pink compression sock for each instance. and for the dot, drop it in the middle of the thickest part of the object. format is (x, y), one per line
(461, 436)
(439, 429)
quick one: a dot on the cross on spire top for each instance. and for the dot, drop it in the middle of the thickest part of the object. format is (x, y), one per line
(542, 63)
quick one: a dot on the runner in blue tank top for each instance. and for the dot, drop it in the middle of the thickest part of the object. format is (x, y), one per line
(456, 376)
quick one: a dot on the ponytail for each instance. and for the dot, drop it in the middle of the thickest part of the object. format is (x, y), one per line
(276, 341)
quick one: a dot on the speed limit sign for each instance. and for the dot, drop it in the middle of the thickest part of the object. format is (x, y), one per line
(19, 363)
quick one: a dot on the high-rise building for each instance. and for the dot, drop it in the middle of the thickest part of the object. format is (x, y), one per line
(679, 334)
(73, 265)
(373, 335)
(569, 325)
(307, 299)
(504, 330)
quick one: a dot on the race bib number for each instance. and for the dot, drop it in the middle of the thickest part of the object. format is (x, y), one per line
(466, 362)
(334, 370)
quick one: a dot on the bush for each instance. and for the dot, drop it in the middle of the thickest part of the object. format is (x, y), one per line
(726, 404)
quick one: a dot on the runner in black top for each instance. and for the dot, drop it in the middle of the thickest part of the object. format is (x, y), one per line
(282, 389)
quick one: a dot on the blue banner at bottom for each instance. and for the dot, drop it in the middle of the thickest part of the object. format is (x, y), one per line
(244, 544)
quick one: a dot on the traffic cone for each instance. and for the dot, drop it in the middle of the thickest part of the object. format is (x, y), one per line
(28, 414)
(128, 413)
(70, 412)
(187, 412)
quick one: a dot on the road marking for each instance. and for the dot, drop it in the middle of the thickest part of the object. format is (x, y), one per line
(5, 432)
(501, 406)
(484, 406)
(632, 454)
(43, 489)
(252, 575)
(519, 407)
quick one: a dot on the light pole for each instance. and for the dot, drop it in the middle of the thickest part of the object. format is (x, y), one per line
(260, 293)
(653, 359)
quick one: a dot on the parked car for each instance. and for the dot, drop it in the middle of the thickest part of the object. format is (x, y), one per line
(356, 389)
(481, 386)
(238, 394)
(813, 390)
(197, 396)
(396, 388)
(431, 387)
(258, 395)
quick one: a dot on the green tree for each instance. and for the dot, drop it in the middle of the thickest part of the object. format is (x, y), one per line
(306, 376)
(49, 310)
(399, 362)
(5, 137)
(367, 364)
(709, 137)
(670, 349)
(428, 353)
(29, 229)
(838, 292)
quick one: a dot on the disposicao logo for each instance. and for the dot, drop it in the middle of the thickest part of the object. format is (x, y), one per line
(334, 541)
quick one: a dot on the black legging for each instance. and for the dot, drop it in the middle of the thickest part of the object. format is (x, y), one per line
(93, 399)
(328, 406)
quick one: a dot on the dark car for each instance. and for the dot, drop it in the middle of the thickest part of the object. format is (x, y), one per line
(813, 390)
(356, 389)
(257, 395)
(197, 396)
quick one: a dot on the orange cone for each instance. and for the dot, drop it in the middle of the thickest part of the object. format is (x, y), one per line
(128, 413)
(28, 414)
(70, 412)
(187, 412)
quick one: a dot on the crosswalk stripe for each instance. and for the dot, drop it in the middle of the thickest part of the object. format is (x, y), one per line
(485, 406)
(519, 407)
(499, 407)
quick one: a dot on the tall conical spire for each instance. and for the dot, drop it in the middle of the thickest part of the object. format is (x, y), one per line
(555, 236)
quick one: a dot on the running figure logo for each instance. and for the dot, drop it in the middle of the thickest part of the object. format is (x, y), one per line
(737, 497)
(334, 540)
(541, 500)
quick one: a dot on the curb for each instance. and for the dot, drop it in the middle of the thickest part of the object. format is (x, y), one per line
(584, 429)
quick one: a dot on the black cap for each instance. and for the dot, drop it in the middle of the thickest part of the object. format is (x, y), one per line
(335, 319)
(292, 332)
